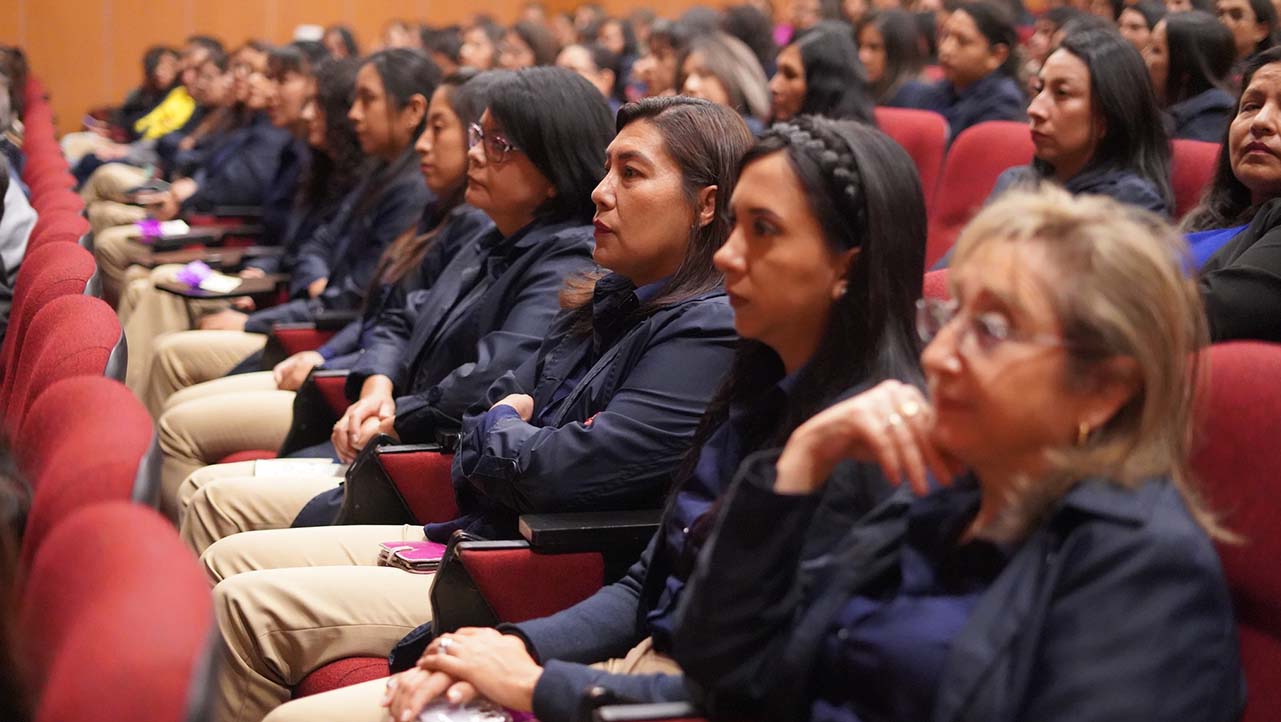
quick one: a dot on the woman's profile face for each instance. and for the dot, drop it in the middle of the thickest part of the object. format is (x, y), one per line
(1157, 57)
(292, 90)
(871, 52)
(1134, 28)
(787, 87)
(166, 71)
(1253, 141)
(478, 50)
(965, 55)
(1001, 402)
(1238, 16)
(701, 82)
(316, 120)
(1061, 115)
(781, 275)
(442, 146)
(370, 113)
(515, 53)
(643, 217)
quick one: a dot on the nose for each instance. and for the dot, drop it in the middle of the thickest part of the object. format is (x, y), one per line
(1265, 121)
(941, 354)
(1036, 110)
(476, 155)
(423, 145)
(776, 82)
(603, 193)
(729, 257)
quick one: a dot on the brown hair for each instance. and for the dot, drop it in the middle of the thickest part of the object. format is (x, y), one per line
(1119, 291)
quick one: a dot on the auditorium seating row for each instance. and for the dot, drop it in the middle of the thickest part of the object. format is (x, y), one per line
(114, 618)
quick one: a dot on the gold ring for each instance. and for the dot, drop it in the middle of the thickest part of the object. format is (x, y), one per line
(910, 408)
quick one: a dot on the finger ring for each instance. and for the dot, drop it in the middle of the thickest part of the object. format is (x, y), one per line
(894, 419)
(910, 408)
(445, 644)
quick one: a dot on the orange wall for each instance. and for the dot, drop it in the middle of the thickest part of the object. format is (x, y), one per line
(89, 52)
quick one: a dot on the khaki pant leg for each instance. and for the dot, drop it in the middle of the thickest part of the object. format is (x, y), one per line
(246, 503)
(202, 431)
(355, 703)
(318, 546)
(282, 624)
(77, 145)
(109, 214)
(111, 182)
(256, 381)
(115, 254)
(191, 357)
(642, 659)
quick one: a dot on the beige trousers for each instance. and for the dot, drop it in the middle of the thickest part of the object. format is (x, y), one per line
(293, 600)
(219, 501)
(76, 146)
(363, 702)
(105, 199)
(117, 258)
(188, 358)
(147, 313)
(202, 424)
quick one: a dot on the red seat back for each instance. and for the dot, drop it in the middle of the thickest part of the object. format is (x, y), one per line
(935, 286)
(115, 619)
(1236, 461)
(70, 336)
(424, 482)
(923, 135)
(978, 155)
(46, 273)
(1192, 164)
(515, 582)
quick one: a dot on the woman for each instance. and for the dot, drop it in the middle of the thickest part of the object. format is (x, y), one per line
(720, 68)
(535, 156)
(811, 242)
(598, 65)
(606, 402)
(1189, 59)
(480, 45)
(979, 62)
(889, 46)
(658, 69)
(525, 45)
(1096, 126)
(337, 262)
(1252, 23)
(1040, 584)
(206, 422)
(1137, 22)
(1239, 216)
(340, 42)
(159, 77)
(820, 74)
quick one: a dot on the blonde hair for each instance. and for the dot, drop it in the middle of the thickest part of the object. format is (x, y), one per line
(1119, 291)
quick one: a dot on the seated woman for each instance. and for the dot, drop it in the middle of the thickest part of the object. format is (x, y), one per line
(339, 259)
(818, 75)
(977, 54)
(1137, 22)
(822, 284)
(1236, 231)
(597, 64)
(1252, 23)
(1042, 582)
(889, 46)
(159, 77)
(206, 422)
(426, 361)
(1189, 60)
(600, 398)
(720, 68)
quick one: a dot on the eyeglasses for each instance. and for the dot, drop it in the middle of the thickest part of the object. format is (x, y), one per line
(496, 146)
(980, 334)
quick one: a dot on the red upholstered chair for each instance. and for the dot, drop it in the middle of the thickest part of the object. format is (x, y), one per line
(116, 620)
(923, 135)
(978, 155)
(46, 273)
(935, 285)
(1235, 458)
(1192, 165)
(70, 336)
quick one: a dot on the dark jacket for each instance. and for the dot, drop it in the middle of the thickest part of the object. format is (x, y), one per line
(1114, 608)
(460, 228)
(446, 345)
(1204, 116)
(1241, 283)
(1119, 184)
(240, 170)
(995, 96)
(613, 440)
(346, 250)
(912, 94)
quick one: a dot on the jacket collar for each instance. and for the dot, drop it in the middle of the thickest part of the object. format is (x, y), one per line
(1212, 99)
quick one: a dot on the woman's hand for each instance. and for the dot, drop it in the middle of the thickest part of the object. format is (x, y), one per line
(228, 320)
(522, 403)
(411, 690)
(890, 424)
(492, 664)
(361, 423)
(161, 206)
(251, 272)
(290, 373)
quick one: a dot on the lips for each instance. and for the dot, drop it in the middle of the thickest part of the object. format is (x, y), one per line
(602, 228)
(1259, 147)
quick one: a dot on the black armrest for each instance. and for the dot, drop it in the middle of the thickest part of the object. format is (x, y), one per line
(651, 711)
(590, 531)
(329, 373)
(236, 211)
(409, 448)
(335, 320)
(262, 251)
(489, 545)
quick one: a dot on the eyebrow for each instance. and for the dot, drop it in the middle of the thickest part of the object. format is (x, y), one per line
(634, 155)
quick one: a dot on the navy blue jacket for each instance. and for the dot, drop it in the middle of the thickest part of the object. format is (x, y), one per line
(241, 169)
(1120, 184)
(346, 250)
(1204, 116)
(1115, 608)
(912, 94)
(995, 96)
(1241, 283)
(445, 345)
(614, 441)
(460, 228)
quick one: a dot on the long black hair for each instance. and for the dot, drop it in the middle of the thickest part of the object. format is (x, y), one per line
(562, 124)
(151, 61)
(835, 81)
(996, 25)
(1265, 14)
(865, 193)
(1227, 202)
(1200, 55)
(1121, 95)
(904, 56)
(404, 74)
(333, 170)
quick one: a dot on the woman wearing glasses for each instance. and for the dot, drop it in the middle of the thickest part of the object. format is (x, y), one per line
(1057, 565)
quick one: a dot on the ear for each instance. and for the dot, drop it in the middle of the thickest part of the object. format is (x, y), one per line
(705, 211)
(414, 111)
(1115, 383)
(844, 261)
(1000, 53)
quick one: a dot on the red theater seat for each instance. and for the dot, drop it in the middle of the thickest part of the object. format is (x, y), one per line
(935, 285)
(46, 273)
(1192, 165)
(923, 135)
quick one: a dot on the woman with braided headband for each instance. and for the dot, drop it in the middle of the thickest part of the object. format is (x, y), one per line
(823, 267)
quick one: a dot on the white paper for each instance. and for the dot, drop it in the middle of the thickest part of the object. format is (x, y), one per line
(298, 468)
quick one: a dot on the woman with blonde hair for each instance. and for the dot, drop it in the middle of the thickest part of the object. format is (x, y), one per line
(1052, 560)
(721, 68)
